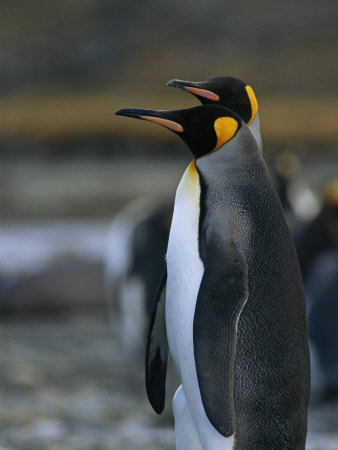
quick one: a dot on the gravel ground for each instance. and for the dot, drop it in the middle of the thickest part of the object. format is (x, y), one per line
(66, 384)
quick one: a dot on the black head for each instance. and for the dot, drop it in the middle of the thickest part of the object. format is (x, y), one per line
(204, 128)
(225, 91)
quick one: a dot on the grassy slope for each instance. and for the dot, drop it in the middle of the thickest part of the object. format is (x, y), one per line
(67, 66)
(65, 114)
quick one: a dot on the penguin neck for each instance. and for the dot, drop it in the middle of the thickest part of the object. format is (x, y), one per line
(235, 155)
(189, 182)
(254, 127)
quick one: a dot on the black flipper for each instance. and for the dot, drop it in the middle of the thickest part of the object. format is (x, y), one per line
(157, 349)
(221, 297)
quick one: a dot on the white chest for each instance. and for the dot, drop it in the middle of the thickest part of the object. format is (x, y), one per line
(185, 268)
(185, 271)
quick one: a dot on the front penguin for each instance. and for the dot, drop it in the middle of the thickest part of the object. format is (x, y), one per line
(234, 308)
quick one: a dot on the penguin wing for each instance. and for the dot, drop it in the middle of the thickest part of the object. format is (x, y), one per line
(222, 294)
(157, 350)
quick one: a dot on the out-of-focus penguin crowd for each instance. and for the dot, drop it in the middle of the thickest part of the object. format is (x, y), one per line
(86, 199)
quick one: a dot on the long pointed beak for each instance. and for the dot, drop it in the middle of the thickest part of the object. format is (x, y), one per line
(160, 117)
(194, 88)
(181, 83)
(136, 113)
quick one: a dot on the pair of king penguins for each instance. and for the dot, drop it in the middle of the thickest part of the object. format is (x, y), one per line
(233, 316)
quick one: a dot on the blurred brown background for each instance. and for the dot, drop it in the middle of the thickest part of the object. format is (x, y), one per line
(68, 165)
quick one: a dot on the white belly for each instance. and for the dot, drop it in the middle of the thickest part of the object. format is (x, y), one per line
(185, 271)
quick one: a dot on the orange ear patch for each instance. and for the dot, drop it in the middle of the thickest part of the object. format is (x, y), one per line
(174, 126)
(225, 129)
(202, 93)
(253, 102)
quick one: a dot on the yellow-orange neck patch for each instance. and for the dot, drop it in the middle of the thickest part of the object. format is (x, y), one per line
(253, 102)
(225, 128)
(192, 170)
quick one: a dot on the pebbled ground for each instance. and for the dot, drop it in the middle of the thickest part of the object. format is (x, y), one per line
(65, 384)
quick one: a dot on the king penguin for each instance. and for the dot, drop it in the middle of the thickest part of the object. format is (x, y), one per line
(233, 94)
(229, 92)
(234, 307)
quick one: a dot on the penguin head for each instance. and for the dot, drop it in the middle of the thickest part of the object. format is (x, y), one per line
(204, 128)
(225, 91)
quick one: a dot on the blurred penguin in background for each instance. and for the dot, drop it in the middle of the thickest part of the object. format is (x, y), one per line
(286, 165)
(135, 249)
(317, 247)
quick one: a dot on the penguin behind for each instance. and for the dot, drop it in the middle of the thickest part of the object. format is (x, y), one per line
(234, 309)
(229, 92)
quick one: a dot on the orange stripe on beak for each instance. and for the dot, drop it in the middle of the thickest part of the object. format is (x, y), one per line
(202, 93)
(174, 126)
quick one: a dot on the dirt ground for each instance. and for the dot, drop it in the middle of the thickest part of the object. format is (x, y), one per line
(66, 384)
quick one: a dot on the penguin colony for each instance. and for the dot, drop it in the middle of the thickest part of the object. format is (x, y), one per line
(233, 317)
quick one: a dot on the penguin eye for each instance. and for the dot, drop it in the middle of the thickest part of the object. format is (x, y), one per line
(225, 129)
